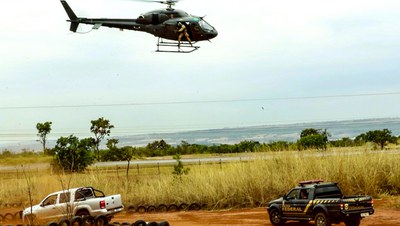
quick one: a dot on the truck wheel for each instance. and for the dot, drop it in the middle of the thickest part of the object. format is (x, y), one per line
(354, 221)
(82, 213)
(275, 217)
(322, 220)
(152, 223)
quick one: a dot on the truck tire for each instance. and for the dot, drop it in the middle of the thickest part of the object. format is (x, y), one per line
(152, 224)
(139, 223)
(275, 217)
(82, 212)
(353, 221)
(322, 220)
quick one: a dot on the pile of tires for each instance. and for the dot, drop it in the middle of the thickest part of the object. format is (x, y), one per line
(102, 221)
(8, 217)
(165, 208)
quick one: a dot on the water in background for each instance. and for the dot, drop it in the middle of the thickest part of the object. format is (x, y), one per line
(265, 134)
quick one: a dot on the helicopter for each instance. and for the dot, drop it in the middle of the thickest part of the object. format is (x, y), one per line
(163, 23)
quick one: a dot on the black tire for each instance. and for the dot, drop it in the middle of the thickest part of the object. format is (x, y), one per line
(162, 208)
(77, 221)
(173, 208)
(131, 209)
(163, 223)
(88, 220)
(141, 209)
(8, 217)
(194, 206)
(64, 222)
(275, 217)
(125, 224)
(151, 209)
(100, 221)
(183, 207)
(322, 220)
(354, 221)
(82, 212)
(152, 223)
(52, 223)
(139, 223)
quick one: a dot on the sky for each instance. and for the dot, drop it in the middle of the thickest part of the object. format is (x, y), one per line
(273, 62)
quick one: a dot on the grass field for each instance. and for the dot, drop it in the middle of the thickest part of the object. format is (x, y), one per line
(227, 185)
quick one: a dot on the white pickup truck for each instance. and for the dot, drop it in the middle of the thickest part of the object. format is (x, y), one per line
(82, 201)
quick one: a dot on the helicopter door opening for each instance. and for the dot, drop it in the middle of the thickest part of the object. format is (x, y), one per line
(154, 18)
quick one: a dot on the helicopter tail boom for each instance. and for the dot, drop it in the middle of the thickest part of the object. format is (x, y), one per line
(72, 16)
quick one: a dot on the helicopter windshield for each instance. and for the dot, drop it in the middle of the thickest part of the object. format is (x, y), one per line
(204, 25)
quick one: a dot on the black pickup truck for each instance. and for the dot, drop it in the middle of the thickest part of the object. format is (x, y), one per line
(322, 202)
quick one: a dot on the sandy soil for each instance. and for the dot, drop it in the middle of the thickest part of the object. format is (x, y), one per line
(383, 216)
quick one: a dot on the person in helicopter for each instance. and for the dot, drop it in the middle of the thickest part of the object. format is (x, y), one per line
(183, 31)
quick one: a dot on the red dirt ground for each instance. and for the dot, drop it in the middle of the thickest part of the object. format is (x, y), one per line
(383, 216)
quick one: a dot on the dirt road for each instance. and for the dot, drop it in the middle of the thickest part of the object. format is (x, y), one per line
(383, 216)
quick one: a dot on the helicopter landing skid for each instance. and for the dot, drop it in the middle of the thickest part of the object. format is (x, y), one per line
(174, 47)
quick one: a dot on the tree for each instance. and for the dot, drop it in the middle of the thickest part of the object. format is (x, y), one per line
(309, 132)
(313, 138)
(43, 130)
(380, 137)
(72, 154)
(158, 148)
(100, 128)
(179, 169)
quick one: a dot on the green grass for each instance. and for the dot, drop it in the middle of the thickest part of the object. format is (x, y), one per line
(228, 185)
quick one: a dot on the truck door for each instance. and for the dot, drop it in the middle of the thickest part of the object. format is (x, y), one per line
(48, 207)
(296, 203)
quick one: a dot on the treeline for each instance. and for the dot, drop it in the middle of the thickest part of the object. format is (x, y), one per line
(74, 154)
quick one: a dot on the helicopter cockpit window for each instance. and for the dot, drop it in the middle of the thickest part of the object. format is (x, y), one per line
(203, 24)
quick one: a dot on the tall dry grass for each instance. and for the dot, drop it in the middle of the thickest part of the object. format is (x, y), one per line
(247, 183)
